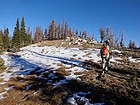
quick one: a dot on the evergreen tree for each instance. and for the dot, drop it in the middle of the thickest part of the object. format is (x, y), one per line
(6, 40)
(102, 34)
(58, 31)
(51, 33)
(55, 34)
(29, 36)
(1, 41)
(38, 37)
(46, 33)
(122, 39)
(76, 33)
(132, 44)
(84, 35)
(66, 31)
(70, 34)
(16, 39)
(23, 33)
(62, 30)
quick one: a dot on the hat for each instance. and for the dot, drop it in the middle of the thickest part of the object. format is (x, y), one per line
(107, 42)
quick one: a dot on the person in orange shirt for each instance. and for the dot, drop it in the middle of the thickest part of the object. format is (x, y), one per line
(105, 55)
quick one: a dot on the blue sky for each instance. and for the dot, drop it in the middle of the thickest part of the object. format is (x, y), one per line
(85, 15)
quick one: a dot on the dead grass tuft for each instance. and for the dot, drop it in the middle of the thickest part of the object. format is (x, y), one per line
(74, 55)
(78, 73)
(1, 80)
(63, 72)
(62, 67)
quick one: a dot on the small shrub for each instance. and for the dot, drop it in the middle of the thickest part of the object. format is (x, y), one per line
(2, 66)
(85, 46)
(1, 62)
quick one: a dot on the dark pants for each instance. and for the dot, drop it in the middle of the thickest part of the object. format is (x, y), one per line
(105, 63)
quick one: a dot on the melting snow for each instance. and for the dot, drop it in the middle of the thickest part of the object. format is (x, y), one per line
(41, 59)
(82, 97)
(134, 60)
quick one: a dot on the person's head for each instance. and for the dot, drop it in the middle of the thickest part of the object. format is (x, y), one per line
(103, 44)
(107, 42)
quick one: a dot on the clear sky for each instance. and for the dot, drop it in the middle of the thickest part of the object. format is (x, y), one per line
(85, 15)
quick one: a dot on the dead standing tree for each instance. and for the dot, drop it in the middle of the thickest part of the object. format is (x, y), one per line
(122, 39)
(109, 36)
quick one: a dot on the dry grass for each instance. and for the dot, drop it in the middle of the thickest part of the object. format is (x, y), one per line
(15, 97)
(19, 95)
(1, 80)
(56, 43)
(63, 43)
(111, 89)
(74, 55)
(1, 89)
(62, 67)
(62, 70)
(78, 73)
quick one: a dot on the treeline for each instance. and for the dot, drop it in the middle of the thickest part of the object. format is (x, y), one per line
(22, 37)
(57, 32)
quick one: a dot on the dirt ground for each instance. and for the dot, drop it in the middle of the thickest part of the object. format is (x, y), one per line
(119, 86)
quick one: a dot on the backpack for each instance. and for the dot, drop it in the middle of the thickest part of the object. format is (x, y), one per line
(105, 50)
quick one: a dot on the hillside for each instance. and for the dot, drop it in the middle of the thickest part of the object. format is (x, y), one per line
(59, 73)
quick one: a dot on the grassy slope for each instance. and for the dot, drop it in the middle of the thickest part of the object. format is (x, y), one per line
(120, 86)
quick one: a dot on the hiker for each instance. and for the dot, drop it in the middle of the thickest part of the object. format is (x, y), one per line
(105, 55)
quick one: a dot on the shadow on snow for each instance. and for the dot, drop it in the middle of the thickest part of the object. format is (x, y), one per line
(45, 82)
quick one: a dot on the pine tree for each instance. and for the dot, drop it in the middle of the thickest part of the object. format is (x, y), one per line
(6, 40)
(51, 33)
(16, 39)
(23, 33)
(58, 31)
(84, 35)
(76, 33)
(55, 34)
(70, 34)
(80, 33)
(1, 41)
(45, 34)
(102, 34)
(66, 31)
(132, 44)
(38, 37)
(122, 39)
(62, 30)
(29, 36)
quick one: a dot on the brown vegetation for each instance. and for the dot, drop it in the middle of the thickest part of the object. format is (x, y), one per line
(120, 86)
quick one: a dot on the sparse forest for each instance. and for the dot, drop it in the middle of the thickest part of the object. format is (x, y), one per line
(23, 37)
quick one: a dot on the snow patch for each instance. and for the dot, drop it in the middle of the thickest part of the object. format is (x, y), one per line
(82, 97)
(134, 60)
